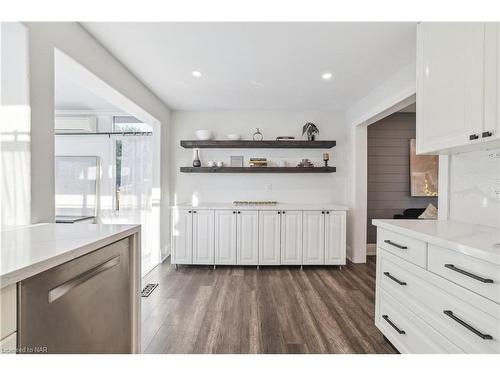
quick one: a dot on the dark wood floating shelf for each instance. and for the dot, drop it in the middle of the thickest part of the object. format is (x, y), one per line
(257, 170)
(258, 144)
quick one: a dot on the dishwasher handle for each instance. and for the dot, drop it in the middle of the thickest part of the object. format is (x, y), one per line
(62, 289)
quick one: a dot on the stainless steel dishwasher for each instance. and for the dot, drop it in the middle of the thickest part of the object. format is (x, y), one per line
(82, 306)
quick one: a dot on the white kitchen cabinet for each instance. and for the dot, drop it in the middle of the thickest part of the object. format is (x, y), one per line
(335, 237)
(269, 237)
(313, 237)
(182, 237)
(291, 237)
(225, 237)
(247, 237)
(203, 237)
(450, 84)
(458, 82)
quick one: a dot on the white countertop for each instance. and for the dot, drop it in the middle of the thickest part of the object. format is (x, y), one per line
(478, 241)
(279, 206)
(29, 250)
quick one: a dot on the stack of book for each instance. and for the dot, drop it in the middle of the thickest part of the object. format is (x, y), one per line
(258, 162)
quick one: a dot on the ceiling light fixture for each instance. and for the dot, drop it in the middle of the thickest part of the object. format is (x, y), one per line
(326, 76)
(196, 73)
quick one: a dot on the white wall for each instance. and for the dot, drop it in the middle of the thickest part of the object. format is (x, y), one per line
(474, 177)
(310, 188)
(15, 126)
(75, 42)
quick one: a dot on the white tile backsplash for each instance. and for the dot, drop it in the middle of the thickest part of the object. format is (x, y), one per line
(475, 188)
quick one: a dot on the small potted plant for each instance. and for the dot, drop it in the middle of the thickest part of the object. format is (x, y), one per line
(311, 131)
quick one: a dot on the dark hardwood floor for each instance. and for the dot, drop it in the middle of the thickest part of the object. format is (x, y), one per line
(197, 309)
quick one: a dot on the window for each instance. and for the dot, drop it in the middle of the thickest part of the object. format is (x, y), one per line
(129, 124)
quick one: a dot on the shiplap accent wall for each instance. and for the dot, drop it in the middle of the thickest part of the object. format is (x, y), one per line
(389, 169)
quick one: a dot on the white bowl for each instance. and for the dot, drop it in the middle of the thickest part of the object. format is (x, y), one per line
(233, 137)
(203, 135)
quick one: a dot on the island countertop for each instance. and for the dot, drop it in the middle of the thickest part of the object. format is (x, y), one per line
(29, 250)
(263, 207)
(478, 241)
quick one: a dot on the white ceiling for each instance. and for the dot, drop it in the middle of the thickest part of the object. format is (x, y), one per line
(69, 95)
(260, 65)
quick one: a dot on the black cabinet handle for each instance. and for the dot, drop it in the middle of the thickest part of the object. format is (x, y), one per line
(395, 245)
(234, 212)
(194, 212)
(449, 313)
(328, 212)
(487, 134)
(239, 212)
(463, 272)
(279, 212)
(473, 137)
(283, 212)
(323, 212)
(400, 331)
(189, 212)
(394, 279)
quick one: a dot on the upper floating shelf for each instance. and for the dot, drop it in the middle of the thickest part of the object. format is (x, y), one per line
(258, 144)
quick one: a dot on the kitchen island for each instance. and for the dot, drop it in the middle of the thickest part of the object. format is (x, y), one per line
(70, 289)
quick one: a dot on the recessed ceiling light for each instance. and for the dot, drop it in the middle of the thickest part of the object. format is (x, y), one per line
(196, 73)
(326, 76)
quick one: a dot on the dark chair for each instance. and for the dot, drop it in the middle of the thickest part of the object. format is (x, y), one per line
(410, 213)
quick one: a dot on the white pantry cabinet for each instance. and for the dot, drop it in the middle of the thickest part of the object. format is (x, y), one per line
(182, 237)
(225, 237)
(457, 83)
(193, 237)
(203, 236)
(291, 237)
(219, 236)
(314, 237)
(335, 237)
(269, 237)
(247, 237)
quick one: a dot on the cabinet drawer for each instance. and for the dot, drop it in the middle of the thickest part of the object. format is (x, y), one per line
(8, 344)
(406, 331)
(434, 304)
(471, 273)
(405, 247)
(8, 303)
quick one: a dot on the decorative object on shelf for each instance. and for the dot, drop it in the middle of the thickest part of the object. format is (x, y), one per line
(203, 134)
(219, 164)
(423, 173)
(258, 162)
(255, 203)
(282, 163)
(326, 157)
(233, 137)
(196, 161)
(305, 163)
(236, 161)
(211, 163)
(285, 138)
(311, 131)
(257, 136)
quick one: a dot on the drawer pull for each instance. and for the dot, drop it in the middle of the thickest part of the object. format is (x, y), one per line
(463, 272)
(396, 245)
(394, 279)
(400, 331)
(449, 313)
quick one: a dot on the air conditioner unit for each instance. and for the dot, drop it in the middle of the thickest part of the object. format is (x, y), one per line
(76, 124)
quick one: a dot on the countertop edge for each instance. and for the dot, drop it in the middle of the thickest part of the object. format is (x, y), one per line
(471, 251)
(222, 206)
(46, 264)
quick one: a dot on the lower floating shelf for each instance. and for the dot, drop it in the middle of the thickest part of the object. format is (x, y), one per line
(257, 170)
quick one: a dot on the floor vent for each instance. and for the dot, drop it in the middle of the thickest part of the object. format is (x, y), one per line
(148, 289)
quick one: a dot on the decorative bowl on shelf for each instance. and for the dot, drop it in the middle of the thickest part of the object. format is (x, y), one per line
(203, 135)
(233, 137)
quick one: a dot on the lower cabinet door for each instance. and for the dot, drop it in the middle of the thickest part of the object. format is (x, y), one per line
(291, 237)
(247, 236)
(335, 237)
(225, 237)
(269, 237)
(182, 237)
(313, 251)
(203, 237)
